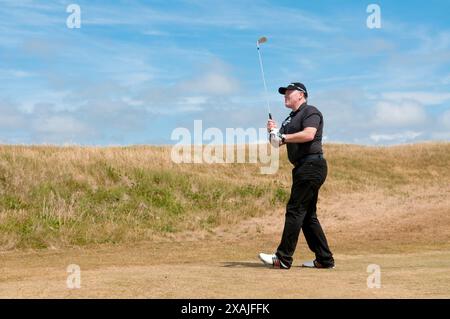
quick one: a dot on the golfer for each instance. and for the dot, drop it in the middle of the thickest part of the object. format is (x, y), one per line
(302, 134)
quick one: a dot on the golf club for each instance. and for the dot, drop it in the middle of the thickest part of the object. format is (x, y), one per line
(261, 41)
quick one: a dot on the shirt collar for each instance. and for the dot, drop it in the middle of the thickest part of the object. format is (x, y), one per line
(299, 108)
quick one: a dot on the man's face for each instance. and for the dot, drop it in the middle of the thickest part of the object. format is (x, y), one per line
(292, 98)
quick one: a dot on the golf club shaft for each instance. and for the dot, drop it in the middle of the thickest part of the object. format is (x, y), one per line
(264, 81)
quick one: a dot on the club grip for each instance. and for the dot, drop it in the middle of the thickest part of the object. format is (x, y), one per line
(270, 116)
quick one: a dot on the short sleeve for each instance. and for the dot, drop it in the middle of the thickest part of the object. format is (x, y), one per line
(312, 120)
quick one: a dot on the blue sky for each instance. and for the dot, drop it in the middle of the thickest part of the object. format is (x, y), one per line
(136, 70)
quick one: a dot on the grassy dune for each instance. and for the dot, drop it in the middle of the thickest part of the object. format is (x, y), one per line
(69, 196)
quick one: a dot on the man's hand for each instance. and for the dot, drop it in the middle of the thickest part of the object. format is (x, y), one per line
(275, 137)
(271, 124)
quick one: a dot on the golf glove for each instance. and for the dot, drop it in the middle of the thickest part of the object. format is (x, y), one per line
(275, 137)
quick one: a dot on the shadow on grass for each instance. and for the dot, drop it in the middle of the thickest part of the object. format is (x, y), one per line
(243, 264)
(246, 264)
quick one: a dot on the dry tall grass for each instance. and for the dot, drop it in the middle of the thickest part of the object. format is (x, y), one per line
(64, 196)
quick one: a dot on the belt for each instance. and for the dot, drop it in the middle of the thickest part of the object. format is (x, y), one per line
(308, 158)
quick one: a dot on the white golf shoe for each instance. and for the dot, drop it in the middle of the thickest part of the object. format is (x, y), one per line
(272, 260)
(316, 264)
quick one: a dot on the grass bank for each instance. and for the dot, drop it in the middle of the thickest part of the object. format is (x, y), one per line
(69, 196)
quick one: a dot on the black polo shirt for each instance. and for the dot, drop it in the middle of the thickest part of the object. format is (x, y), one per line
(305, 116)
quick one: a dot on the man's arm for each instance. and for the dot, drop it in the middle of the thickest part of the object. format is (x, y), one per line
(307, 135)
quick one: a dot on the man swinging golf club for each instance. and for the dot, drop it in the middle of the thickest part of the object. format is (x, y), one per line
(301, 132)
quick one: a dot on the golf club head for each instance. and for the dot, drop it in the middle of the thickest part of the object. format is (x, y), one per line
(261, 41)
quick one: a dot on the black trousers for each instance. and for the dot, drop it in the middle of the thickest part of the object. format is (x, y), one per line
(307, 179)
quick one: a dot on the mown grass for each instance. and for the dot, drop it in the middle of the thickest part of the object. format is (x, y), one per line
(66, 196)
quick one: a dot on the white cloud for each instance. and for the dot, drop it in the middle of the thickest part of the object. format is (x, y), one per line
(445, 119)
(446, 79)
(395, 137)
(10, 121)
(45, 101)
(191, 103)
(348, 78)
(426, 98)
(194, 100)
(12, 73)
(155, 33)
(402, 113)
(64, 125)
(445, 136)
(216, 83)
(239, 15)
(134, 79)
(132, 102)
(215, 80)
